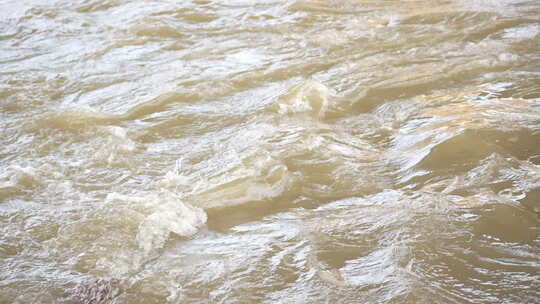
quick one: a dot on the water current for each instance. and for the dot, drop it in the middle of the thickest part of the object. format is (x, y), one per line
(270, 151)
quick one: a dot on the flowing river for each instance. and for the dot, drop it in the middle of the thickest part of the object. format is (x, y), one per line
(270, 151)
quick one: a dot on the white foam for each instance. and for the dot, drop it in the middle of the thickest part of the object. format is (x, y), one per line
(117, 147)
(17, 178)
(125, 231)
(175, 180)
(309, 97)
(116, 131)
(170, 215)
(162, 213)
(259, 178)
(119, 139)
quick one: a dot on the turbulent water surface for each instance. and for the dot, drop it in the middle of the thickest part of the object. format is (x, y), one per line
(273, 151)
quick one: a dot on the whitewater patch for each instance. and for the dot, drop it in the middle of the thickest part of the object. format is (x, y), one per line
(141, 222)
(309, 97)
(258, 178)
(16, 179)
(168, 214)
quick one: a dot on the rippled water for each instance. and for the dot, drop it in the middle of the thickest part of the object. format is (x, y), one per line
(277, 151)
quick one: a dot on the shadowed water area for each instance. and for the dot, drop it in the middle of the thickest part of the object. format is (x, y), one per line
(277, 151)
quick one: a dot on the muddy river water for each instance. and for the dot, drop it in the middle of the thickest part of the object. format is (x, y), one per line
(270, 151)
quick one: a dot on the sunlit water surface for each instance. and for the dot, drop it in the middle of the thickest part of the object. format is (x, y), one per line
(277, 151)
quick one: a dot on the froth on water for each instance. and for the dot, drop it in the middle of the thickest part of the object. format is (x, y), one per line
(284, 151)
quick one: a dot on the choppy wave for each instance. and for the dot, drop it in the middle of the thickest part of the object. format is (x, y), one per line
(298, 151)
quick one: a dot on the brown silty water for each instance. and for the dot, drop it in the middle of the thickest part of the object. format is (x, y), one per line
(273, 151)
